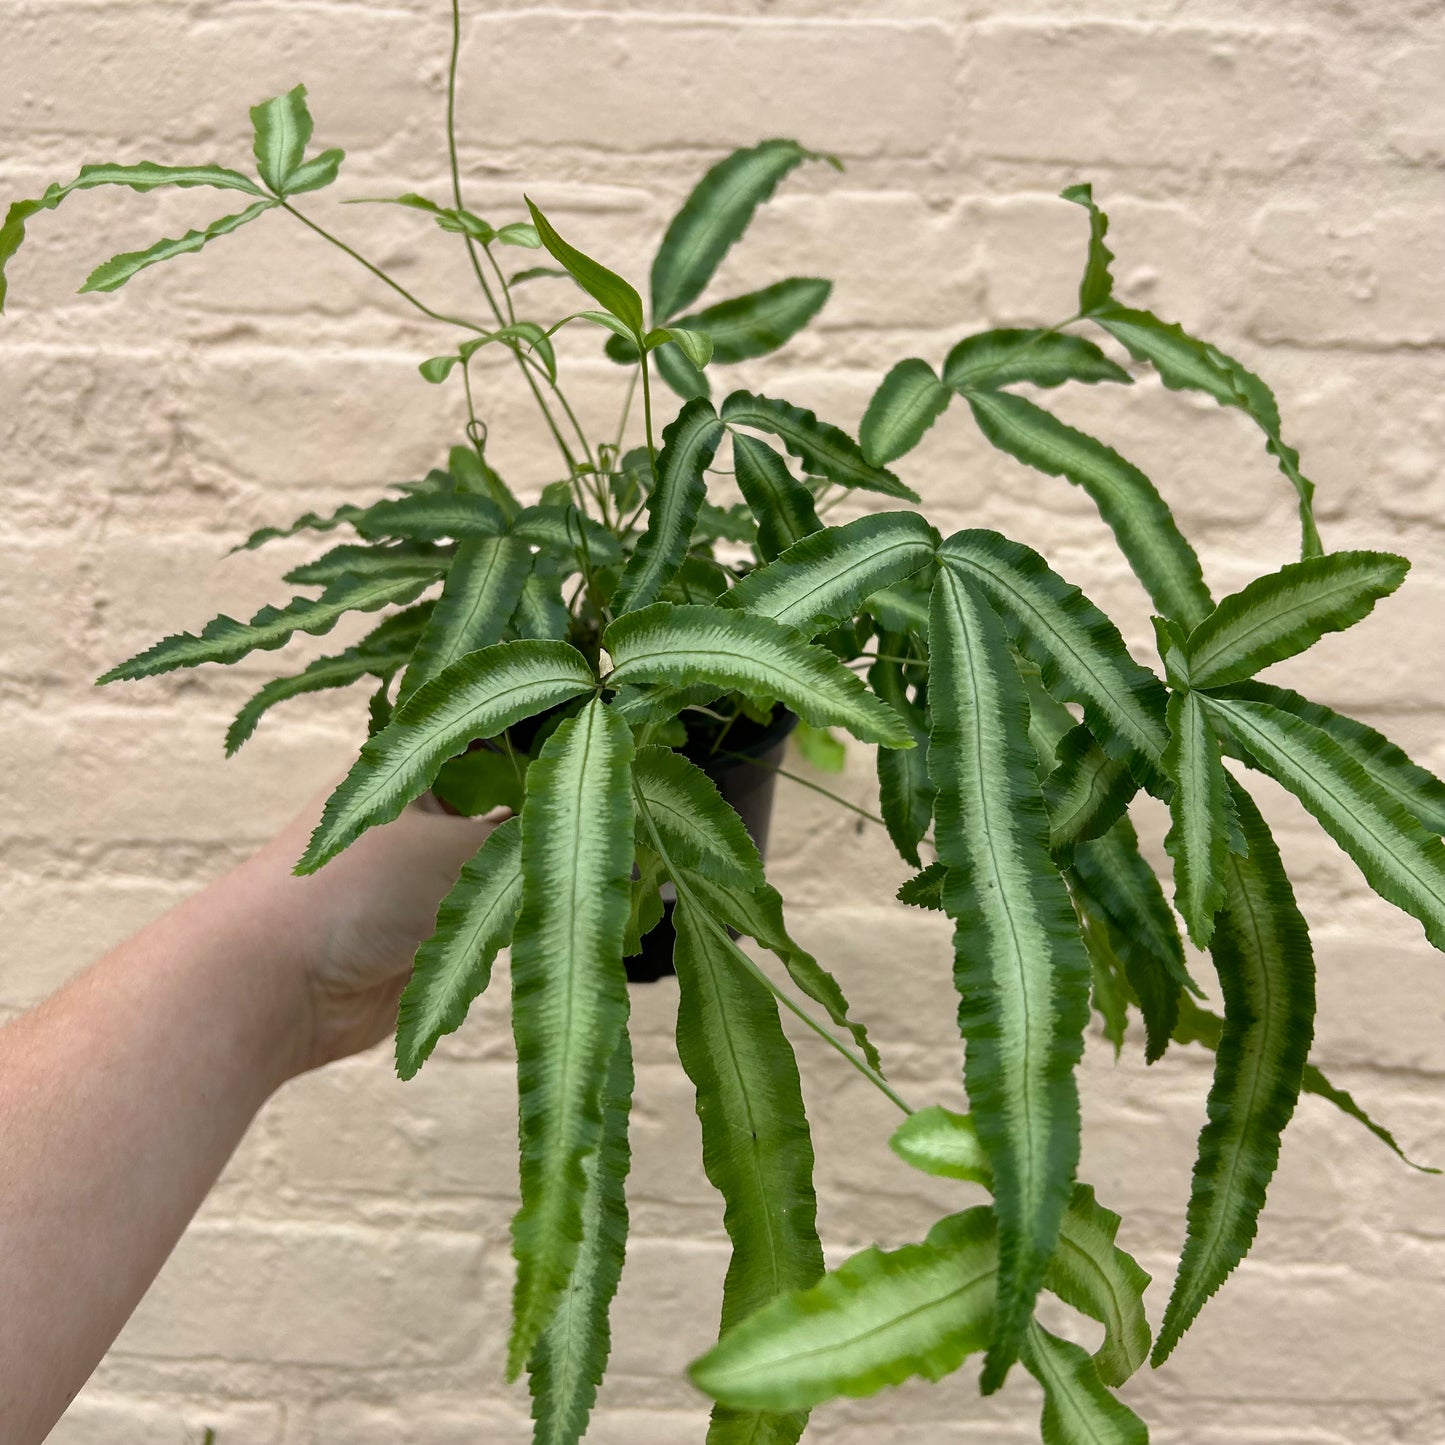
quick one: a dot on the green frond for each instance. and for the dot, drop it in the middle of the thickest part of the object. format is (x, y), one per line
(992, 359)
(756, 1145)
(1127, 500)
(761, 321)
(782, 505)
(385, 650)
(541, 612)
(569, 995)
(478, 697)
(824, 450)
(905, 791)
(568, 1363)
(429, 516)
(713, 217)
(822, 580)
(1091, 1273)
(396, 559)
(566, 532)
(113, 274)
(481, 591)
(700, 830)
(1185, 363)
(1418, 791)
(882, 1317)
(764, 659)
(1262, 953)
(937, 1141)
(1203, 822)
(1076, 647)
(1086, 792)
(688, 445)
(1403, 863)
(225, 640)
(1120, 891)
(1079, 1409)
(1097, 285)
(1019, 964)
(908, 401)
(306, 522)
(454, 965)
(1199, 1026)
(1284, 612)
(925, 888)
(757, 913)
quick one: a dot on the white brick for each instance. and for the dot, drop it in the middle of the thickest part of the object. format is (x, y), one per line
(99, 1419)
(1255, 98)
(423, 1420)
(639, 79)
(322, 1295)
(1325, 275)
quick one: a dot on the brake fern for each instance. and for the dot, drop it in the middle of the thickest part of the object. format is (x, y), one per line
(596, 648)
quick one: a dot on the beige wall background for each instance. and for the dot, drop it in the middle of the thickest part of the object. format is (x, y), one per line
(1275, 177)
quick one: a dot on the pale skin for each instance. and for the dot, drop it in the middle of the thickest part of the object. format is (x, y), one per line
(123, 1095)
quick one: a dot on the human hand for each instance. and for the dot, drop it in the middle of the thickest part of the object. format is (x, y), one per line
(347, 934)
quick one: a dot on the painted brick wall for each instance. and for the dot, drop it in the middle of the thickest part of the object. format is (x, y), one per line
(1276, 174)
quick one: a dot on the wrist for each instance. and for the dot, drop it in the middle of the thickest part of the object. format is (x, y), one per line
(272, 930)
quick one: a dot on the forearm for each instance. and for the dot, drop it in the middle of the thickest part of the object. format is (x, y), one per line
(121, 1099)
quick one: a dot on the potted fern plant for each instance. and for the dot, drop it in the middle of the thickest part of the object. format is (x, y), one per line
(595, 659)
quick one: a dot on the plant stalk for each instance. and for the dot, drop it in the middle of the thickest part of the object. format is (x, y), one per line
(862, 1065)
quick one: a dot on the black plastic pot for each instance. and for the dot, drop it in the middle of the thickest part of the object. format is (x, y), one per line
(745, 771)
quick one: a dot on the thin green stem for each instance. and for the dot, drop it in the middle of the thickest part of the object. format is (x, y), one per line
(475, 426)
(891, 657)
(723, 732)
(632, 520)
(647, 414)
(546, 411)
(380, 274)
(452, 155)
(723, 937)
(626, 411)
(472, 247)
(793, 777)
(502, 282)
(576, 425)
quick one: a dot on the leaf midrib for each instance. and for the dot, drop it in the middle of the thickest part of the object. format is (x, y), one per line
(665, 508)
(1151, 749)
(991, 854)
(1321, 783)
(1251, 1066)
(893, 1322)
(465, 952)
(1238, 642)
(796, 604)
(702, 234)
(380, 783)
(1197, 838)
(757, 669)
(562, 1115)
(741, 1078)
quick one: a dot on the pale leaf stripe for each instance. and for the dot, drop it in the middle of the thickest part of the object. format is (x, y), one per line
(1019, 964)
(569, 994)
(1403, 863)
(1262, 953)
(454, 965)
